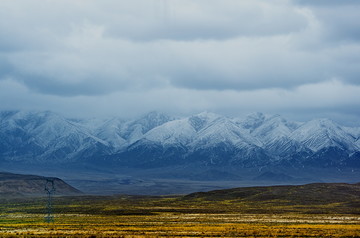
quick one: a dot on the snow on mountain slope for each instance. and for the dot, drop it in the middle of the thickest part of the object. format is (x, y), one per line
(90, 125)
(201, 120)
(274, 133)
(251, 121)
(46, 134)
(174, 132)
(256, 140)
(322, 133)
(272, 128)
(14, 139)
(52, 128)
(355, 133)
(5, 117)
(181, 131)
(110, 131)
(135, 129)
(224, 131)
(152, 120)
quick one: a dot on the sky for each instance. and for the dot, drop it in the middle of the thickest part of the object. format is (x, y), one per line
(92, 58)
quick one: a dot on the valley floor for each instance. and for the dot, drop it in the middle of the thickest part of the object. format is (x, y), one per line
(129, 216)
(182, 225)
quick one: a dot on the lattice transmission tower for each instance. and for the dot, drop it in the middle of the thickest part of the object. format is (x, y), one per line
(50, 190)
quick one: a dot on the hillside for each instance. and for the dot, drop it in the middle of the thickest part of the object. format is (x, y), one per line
(32, 185)
(309, 194)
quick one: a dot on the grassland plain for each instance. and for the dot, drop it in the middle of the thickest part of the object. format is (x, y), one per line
(215, 214)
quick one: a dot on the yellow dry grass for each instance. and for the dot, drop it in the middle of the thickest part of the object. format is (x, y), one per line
(122, 216)
(181, 225)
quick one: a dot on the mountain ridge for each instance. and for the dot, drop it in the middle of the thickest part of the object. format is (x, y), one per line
(159, 139)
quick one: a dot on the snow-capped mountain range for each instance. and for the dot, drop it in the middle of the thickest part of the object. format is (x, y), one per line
(157, 140)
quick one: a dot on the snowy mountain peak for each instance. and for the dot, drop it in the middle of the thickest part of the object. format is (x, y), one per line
(322, 133)
(152, 120)
(224, 130)
(252, 121)
(201, 120)
(208, 115)
(155, 116)
(256, 116)
(321, 124)
(49, 136)
(176, 132)
(7, 114)
(29, 120)
(110, 131)
(274, 127)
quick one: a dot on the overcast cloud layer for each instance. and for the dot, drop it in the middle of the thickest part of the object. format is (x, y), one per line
(299, 58)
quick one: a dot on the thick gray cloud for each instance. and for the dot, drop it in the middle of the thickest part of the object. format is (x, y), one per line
(339, 19)
(231, 56)
(327, 3)
(203, 19)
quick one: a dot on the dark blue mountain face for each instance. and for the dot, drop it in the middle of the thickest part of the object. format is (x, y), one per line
(148, 155)
(353, 160)
(153, 141)
(328, 157)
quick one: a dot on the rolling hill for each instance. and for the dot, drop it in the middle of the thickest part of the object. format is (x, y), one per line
(32, 185)
(309, 194)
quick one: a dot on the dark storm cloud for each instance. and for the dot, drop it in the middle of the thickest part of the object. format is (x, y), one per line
(181, 56)
(192, 44)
